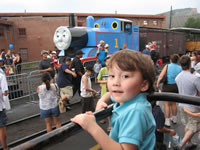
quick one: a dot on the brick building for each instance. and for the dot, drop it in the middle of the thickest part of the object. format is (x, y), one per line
(32, 32)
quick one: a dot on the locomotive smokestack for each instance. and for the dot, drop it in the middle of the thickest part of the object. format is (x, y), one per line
(71, 20)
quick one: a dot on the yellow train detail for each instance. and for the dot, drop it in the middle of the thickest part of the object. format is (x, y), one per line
(193, 45)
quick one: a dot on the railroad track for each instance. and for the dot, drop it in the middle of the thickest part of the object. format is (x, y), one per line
(27, 128)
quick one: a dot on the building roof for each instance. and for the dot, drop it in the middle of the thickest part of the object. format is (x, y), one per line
(5, 22)
(79, 14)
(182, 29)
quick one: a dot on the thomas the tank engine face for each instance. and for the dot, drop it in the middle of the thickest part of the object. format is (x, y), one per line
(62, 38)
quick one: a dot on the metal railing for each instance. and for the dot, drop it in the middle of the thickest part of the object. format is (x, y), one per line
(23, 85)
(34, 79)
(27, 66)
(70, 129)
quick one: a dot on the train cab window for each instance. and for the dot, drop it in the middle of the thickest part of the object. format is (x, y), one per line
(96, 25)
(127, 26)
(114, 25)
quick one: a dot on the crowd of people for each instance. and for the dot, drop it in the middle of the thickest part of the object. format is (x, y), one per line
(11, 62)
(135, 123)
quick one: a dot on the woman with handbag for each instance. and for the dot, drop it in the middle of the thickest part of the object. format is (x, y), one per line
(169, 85)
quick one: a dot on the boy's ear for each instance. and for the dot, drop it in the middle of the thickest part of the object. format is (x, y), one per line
(145, 86)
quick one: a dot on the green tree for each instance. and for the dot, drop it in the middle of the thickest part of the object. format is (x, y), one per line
(192, 23)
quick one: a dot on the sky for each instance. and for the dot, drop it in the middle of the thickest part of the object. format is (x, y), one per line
(97, 6)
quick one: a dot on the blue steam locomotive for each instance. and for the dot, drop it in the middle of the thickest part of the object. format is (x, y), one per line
(112, 31)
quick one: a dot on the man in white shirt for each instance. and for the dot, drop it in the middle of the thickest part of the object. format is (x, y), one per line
(188, 84)
(3, 116)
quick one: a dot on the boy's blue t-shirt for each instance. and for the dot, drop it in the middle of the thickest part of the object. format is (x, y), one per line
(133, 122)
(64, 79)
(102, 55)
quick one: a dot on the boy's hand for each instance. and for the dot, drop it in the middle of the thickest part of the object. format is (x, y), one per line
(100, 105)
(87, 120)
(49, 69)
(94, 92)
(172, 132)
(74, 74)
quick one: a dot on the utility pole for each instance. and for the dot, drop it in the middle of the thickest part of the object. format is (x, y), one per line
(170, 18)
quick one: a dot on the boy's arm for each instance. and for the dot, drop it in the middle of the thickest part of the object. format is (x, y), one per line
(102, 102)
(191, 113)
(163, 72)
(87, 122)
(71, 72)
(167, 130)
(101, 81)
(98, 51)
(45, 70)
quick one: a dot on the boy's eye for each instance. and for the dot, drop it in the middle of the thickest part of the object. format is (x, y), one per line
(111, 76)
(125, 76)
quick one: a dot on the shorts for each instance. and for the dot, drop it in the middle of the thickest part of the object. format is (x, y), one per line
(190, 122)
(170, 88)
(87, 104)
(3, 118)
(66, 92)
(53, 112)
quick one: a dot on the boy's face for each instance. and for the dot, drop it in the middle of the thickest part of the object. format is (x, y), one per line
(54, 55)
(89, 73)
(125, 85)
(44, 55)
(68, 63)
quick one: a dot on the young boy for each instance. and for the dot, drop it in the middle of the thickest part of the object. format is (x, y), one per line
(103, 76)
(160, 126)
(65, 83)
(86, 91)
(97, 68)
(130, 78)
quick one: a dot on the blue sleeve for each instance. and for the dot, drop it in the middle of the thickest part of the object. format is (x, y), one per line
(133, 128)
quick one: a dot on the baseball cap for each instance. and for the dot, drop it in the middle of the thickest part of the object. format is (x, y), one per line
(197, 68)
(107, 57)
(1, 60)
(79, 52)
(44, 52)
(53, 52)
(7, 55)
(67, 59)
(106, 46)
(147, 46)
(89, 68)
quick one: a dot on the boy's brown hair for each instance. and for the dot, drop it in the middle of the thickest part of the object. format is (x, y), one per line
(185, 62)
(129, 60)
